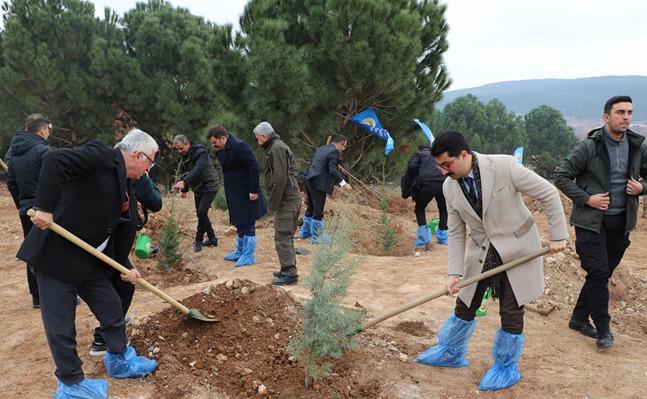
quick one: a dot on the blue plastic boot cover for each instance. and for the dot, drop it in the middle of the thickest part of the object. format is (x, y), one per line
(427, 234)
(421, 235)
(237, 252)
(249, 246)
(86, 389)
(452, 344)
(317, 233)
(128, 364)
(305, 227)
(441, 237)
(506, 352)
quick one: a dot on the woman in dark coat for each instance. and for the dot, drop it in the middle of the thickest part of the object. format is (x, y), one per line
(242, 190)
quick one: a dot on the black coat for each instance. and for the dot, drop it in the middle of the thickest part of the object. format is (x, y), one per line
(240, 170)
(323, 172)
(200, 174)
(144, 192)
(84, 188)
(27, 151)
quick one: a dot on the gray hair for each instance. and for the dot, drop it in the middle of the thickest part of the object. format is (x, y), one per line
(180, 139)
(137, 140)
(264, 128)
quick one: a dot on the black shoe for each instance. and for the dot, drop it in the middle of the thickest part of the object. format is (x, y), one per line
(211, 242)
(285, 280)
(98, 348)
(276, 274)
(35, 302)
(584, 327)
(197, 247)
(605, 338)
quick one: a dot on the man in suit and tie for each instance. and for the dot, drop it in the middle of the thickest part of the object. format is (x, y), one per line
(320, 180)
(484, 194)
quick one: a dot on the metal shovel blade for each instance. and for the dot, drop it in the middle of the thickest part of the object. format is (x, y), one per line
(195, 314)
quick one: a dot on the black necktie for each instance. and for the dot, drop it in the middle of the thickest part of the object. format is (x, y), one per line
(472, 189)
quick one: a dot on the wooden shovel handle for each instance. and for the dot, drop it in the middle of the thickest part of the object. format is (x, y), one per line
(461, 284)
(111, 262)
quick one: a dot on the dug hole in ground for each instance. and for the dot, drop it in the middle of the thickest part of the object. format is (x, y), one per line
(244, 354)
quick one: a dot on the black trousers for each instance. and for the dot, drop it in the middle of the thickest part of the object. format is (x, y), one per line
(58, 310)
(600, 253)
(423, 197)
(126, 291)
(509, 310)
(202, 204)
(26, 223)
(316, 201)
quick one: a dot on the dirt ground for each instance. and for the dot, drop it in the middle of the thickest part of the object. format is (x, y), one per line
(556, 363)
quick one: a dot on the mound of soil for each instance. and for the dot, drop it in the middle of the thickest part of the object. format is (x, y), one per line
(415, 328)
(243, 355)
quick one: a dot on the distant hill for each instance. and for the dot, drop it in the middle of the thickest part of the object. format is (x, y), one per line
(576, 99)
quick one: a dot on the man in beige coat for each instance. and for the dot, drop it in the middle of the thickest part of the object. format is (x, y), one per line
(484, 195)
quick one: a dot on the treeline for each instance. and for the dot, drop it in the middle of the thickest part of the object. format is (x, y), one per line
(491, 129)
(305, 66)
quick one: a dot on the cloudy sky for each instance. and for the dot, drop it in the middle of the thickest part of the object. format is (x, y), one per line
(500, 40)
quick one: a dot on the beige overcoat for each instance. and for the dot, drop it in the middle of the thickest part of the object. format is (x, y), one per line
(507, 224)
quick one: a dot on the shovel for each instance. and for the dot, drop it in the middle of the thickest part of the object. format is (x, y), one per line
(191, 313)
(461, 284)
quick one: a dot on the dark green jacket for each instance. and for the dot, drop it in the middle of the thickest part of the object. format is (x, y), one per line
(280, 174)
(586, 171)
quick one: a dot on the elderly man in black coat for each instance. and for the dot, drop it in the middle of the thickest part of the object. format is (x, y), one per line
(85, 190)
(244, 198)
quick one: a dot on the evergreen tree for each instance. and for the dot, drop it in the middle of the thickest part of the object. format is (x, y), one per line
(315, 63)
(550, 139)
(328, 327)
(489, 128)
(169, 242)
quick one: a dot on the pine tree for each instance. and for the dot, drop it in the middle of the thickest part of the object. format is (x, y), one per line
(328, 326)
(388, 234)
(169, 242)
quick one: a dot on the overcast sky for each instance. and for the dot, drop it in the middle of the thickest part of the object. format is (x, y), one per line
(499, 40)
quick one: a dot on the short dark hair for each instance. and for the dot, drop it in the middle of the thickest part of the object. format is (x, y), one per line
(451, 142)
(423, 145)
(217, 131)
(614, 100)
(339, 138)
(35, 122)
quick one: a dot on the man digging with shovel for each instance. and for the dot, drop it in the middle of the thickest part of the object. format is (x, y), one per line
(484, 194)
(84, 190)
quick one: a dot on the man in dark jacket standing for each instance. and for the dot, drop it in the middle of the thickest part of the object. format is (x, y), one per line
(284, 199)
(201, 176)
(601, 176)
(27, 150)
(244, 198)
(85, 191)
(428, 184)
(320, 180)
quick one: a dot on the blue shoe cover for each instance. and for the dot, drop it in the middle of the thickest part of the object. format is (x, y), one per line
(441, 237)
(505, 372)
(237, 252)
(317, 233)
(86, 389)
(305, 227)
(427, 234)
(422, 235)
(128, 364)
(452, 344)
(249, 246)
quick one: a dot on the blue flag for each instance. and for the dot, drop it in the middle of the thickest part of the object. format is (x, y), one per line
(425, 130)
(518, 155)
(367, 120)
